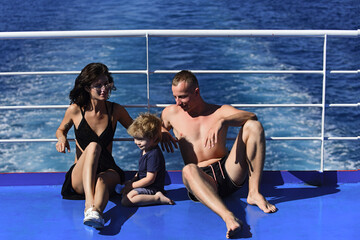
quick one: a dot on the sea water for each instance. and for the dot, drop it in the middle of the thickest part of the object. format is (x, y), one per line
(241, 53)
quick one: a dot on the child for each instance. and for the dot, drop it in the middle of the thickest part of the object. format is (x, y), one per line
(147, 186)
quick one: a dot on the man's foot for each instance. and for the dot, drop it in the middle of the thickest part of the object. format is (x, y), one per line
(163, 199)
(259, 200)
(233, 225)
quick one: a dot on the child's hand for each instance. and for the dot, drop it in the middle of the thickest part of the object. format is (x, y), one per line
(127, 188)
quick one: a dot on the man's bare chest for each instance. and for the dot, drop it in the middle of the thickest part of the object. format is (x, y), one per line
(192, 128)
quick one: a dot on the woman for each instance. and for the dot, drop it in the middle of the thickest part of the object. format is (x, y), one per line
(94, 174)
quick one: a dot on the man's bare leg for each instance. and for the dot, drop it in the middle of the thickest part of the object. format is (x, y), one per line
(247, 158)
(203, 188)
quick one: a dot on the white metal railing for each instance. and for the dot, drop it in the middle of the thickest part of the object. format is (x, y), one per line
(194, 33)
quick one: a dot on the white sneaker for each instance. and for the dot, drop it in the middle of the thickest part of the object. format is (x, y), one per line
(93, 219)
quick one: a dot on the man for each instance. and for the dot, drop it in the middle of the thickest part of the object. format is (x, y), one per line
(211, 171)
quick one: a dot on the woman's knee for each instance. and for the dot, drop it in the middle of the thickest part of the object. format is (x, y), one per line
(94, 148)
(100, 180)
(108, 179)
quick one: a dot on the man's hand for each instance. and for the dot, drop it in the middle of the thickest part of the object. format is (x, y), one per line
(213, 134)
(168, 141)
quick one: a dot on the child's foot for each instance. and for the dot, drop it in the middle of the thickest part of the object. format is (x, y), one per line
(163, 199)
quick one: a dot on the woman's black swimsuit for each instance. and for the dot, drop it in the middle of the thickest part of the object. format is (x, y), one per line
(85, 135)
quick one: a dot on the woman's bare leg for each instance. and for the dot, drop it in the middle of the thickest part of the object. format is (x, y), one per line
(105, 185)
(84, 173)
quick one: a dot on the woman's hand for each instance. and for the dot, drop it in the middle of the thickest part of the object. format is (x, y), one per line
(62, 145)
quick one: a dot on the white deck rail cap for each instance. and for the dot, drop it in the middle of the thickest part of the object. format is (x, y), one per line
(176, 33)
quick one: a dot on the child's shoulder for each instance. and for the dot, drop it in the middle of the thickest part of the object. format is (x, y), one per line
(155, 151)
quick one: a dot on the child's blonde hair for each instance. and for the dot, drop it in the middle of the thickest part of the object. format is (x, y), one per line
(146, 125)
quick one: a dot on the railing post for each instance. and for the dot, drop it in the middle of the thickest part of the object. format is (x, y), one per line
(147, 73)
(323, 106)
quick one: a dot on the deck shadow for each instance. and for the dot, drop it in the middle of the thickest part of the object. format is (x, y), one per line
(309, 185)
(178, 194)
(234, 204)
(237, 206)
(313, 184)
(117, 216)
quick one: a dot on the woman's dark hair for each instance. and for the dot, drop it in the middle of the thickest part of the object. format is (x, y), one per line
(90, 73)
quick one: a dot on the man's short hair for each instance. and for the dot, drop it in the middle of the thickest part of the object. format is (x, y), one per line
(146, 125)
(186, 76)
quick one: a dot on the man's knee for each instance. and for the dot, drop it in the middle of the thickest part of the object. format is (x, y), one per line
(188, 171)
(253, 127)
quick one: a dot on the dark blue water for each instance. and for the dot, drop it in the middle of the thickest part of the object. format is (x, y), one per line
(184, 53)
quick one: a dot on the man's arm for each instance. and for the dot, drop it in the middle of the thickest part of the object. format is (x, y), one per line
(234, 117)
(167, 140)
(229, 116)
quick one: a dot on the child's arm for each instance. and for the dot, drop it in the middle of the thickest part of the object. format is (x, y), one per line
(146, 181)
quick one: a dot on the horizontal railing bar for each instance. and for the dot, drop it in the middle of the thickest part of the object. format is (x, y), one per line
(345, 71)
(294, 138)
(342, 138)
(59, 107)
(344, 105)
(276, 105)
(131, 139)
(34, 107)
(51, 140)
(165, 105)
(176, 71)
(243, 71)
(170, 72)
(69, 72)
(177, 33)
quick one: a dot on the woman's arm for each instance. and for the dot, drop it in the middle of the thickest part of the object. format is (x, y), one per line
(122, 116)
(61, 132)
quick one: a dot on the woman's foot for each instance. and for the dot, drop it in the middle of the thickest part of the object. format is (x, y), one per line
(93, 218)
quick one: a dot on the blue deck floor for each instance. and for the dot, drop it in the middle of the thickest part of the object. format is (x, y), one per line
(329, 211)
